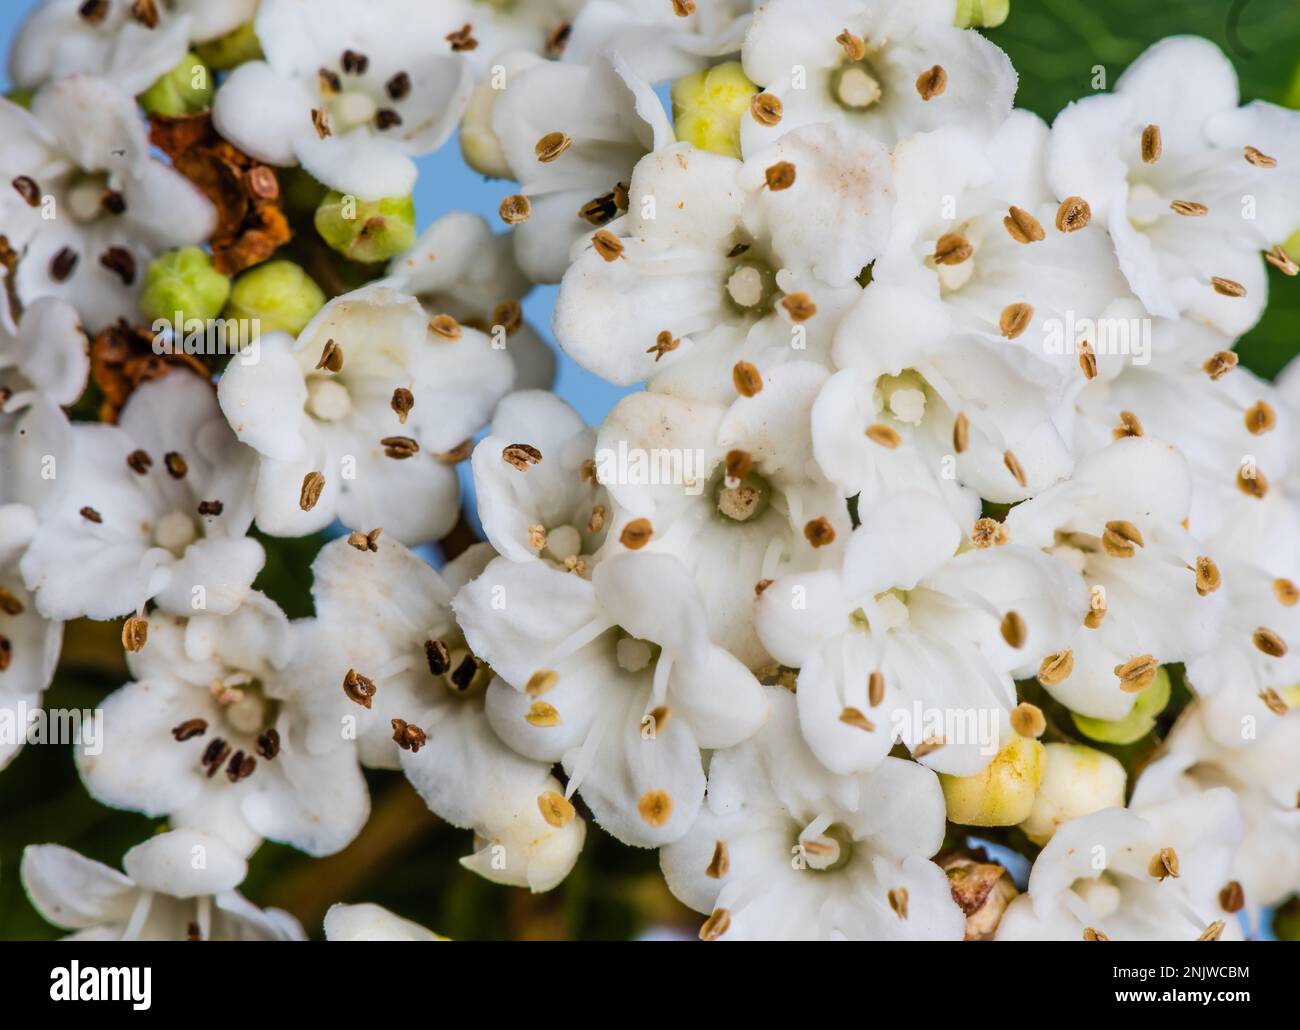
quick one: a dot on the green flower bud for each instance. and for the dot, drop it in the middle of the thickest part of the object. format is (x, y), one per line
(21, 97)
(708, 106)
(232, 49)
(1078, 781)
(186, 89)
(366, 230)
(1002, 794)
(1140, 720)
(183, 282)
(981, 14)
(279, 293)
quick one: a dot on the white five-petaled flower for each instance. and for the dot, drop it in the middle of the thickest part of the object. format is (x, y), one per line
(87, 207)
(376, 399)
(782, 850)
(178, 886)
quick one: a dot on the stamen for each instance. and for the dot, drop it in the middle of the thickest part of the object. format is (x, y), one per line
(960, 432)
(1022, 226)
(1273, 701)
(1151, 145)
(1281, 260)
(402, 403)
(1252, 483)
(135, 632)
(898, 901)
(1073, 214)
(1121, 539)
(176, 465)
(932, 82)
(607, 245)
(1227, 287)
(1129, 425)
(1268, 642)
(720, 863)
(445, 326)
(1260, 418)
(1208, 579)
(927, 746)
(210, 508)
(1189, 208)
(331, 357)
(683, 8)
(746, 379)
(1164, 863)
(121, 262)
(408, 736)
(551, 146)
(556, 809)
(241, 767)
(885, 436)
(655, 807)
(398, 86)
(320, 121)
(63, 264)
(636, 534)
(354, 63)
(716, 925)
(312, 485)
(1056, 668)
(521, 456)
(952, 249)
(1213, 932)
(855, 718)
(541, 681)
(1232, 899)
(765, 108)
(664, 343)
(399, 447)
(1286, 592)
(542, 714)
(799, 306)
(1220, 364)
(438, 656)
(854, 47)
(1014, 630)
(462, 39)
(268, 743)
(1258, 158)
(779, 176)
(189, 729)
(28, 190)
(358, 688)
(91, 515)
(875, 689)
(1028, 720)
(1137, 674)
(1015, 319)
(819, 532)
(1014, 467)
(1089, 934)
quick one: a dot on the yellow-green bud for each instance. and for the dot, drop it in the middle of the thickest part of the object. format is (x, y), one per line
(186, 89)
(981, 14)
(1292, 244)
(366, 230)
(708, 106)
(1002, 794)
(1140, 720)
(1078, 780)
(232, 49)
(21, 97)
(279, 293)
(183, 282)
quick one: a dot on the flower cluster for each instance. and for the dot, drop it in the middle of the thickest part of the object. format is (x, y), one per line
(945, 524)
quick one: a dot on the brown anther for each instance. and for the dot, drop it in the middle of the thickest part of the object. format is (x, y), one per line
(799, 306)
(746, 379)
(1208, 579)
(10, 605)
(1260, 418)
(1056, 668)
(762, 585)
(1268, 642)
(664, 343)
(26, 187)
(438, 656)
(386, 118)
(952, 249)
(190, 728)
(1258, 158)
(720, 863)
(1189, 208)
(398, 87)
(636, 534)
(655, 807)
(1227, 287)
(402, 403)
(988, 532)
(215, 755)
(399, 447)
(875, 688)
(854, 47)
(779, 176)
(558, 39)
(262, 183)
(1252, 482)
(1163, 864)
(135, 633)
(855, 718)
(1121, 539)
(1129, 425)
(1213, 932)
(354, 63)
(1087, 360)
(462, 677)
(121, 262)
(1013, 466)
(211, 508)
(1220, 364)
(1281, 260)
(1137, 674)
(960, 432)
(330, 83)
(1014, 630)
(597, 520)
(462, 39)
(599, 210)
(716, 925)
(738, 464)
(176, 466)
(408, 736)
(91, 515)
(1028, 720)
(819, 532)
(268, 743)
(1151, 146)
(445, 327)
(556, 809)
(509, 315)
(683, 8)
(94, 11)
(320, 121)
(541, 681)
(1089, 934)
(928, 746)
(1022, 226)
(766, 109)
(6, 653)
(898, 901)
(1273, 701)
(241, 767)
(1015, 319)
(146, 13)
(515, 208)
(1232, 898)
(1073, 214)
(112, 202)
(607, 245)
(139, 462)
(521, 456)
(932, 82)
(63, 264)
(885, 436)
(551, 146)
(1286, 592)
(660, 716)
(358, 688)
(312, 485)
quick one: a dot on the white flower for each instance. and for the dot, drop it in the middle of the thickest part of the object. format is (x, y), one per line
(658, 43)
(623, 692)
(1191, 187)
(1116, 529)
(544, 502)
(155, 507)
(1264, 774)
(368, 922)
(459, 267)
(29, 649)
(350, 91)
(730, 489)
(208, 735)
(711, 266)
(43, 355)
(178, 886)
(884, 68)
(610, 119)
(1149, 873)
(781, 850)
(911, 628)
(382, 429)
(89, 206)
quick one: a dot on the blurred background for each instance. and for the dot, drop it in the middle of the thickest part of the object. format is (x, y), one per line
(405, 858)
